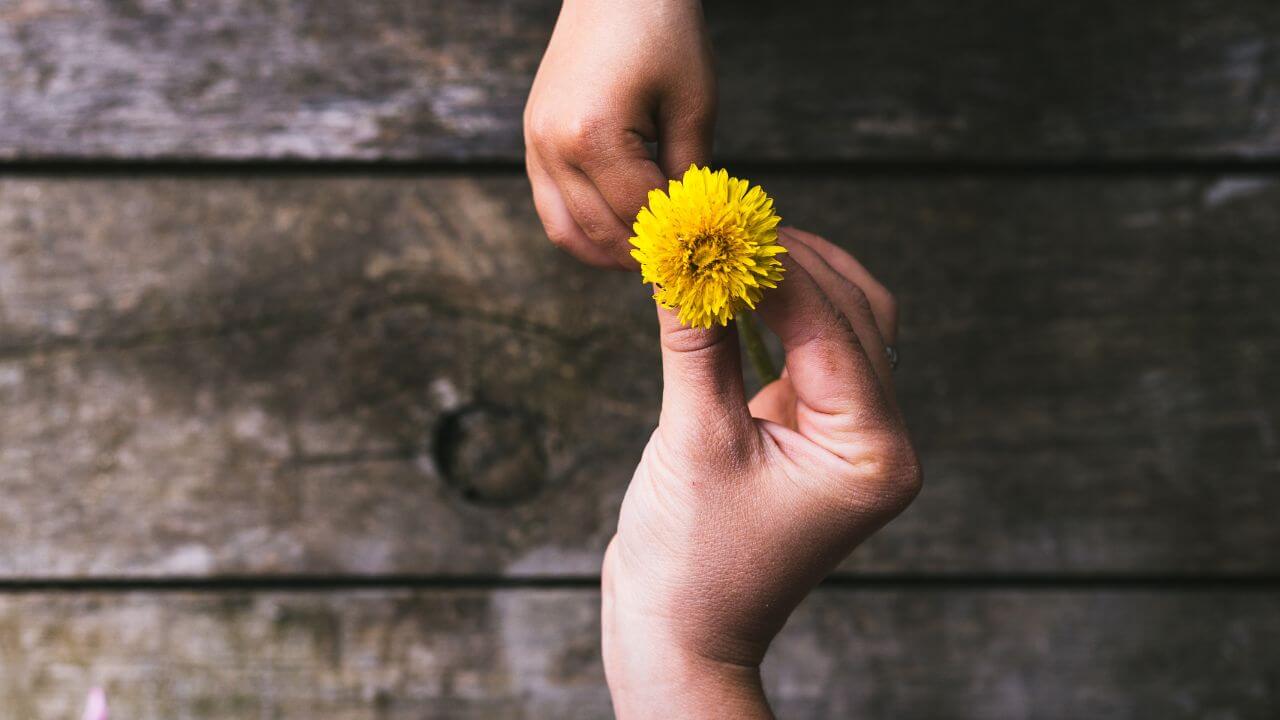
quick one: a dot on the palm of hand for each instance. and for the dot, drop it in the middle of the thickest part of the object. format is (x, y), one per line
(721, 544)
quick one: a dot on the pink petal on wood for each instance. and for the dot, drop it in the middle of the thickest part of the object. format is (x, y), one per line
(96, 707)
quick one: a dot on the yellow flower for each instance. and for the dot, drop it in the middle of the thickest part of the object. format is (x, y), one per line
(709, 244)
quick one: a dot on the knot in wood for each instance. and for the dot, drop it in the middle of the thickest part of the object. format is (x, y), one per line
(492, 455)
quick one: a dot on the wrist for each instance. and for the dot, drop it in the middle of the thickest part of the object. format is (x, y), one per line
(667, 685)
(649, 6)
(651, 674)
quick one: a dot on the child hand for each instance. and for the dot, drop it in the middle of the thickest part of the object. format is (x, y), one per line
(617, 74)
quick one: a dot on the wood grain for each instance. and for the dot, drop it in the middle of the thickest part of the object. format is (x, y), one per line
(880, 79)
(266, 376)
(533, 654)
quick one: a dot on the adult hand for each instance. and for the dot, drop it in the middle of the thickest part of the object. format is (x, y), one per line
(616, 75)
(739, 509)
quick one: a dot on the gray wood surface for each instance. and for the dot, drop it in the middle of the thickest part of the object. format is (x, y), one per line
(292, 375)
(354, 376)
(389, 655)
(913, 79)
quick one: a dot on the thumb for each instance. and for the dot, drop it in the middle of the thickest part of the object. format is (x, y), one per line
(701, 378)
(685, 132)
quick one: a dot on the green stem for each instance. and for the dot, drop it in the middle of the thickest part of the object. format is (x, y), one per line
(757, 353)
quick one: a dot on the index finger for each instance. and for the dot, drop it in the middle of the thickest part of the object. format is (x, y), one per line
(839, 398)
(623, 172)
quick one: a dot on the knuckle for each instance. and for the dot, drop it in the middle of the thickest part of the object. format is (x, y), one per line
(540, 130)
(574, 137)
(585, 135)
(896, 473)
(597, 228)
(560, 237)
(883, 480)
(694, 341)
(859, 297)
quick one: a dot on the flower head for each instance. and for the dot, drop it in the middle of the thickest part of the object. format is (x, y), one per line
(709, 245)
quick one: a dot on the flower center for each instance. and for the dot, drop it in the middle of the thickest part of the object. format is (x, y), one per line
(705, 253)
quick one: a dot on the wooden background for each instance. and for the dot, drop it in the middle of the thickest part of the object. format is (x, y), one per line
(301, 417)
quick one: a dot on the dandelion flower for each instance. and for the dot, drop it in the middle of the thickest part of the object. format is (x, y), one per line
(709, 245)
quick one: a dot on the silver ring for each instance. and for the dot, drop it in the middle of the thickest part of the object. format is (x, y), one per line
(893, 356)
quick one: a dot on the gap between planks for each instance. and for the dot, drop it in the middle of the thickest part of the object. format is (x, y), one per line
(913, 167)
(1049, 582)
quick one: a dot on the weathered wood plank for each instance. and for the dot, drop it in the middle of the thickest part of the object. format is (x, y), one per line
(255, 395)
(832, 80)
(211, 376)
(533, 654)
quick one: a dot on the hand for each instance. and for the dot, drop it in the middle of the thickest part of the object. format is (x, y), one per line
(738, 510)
(617, 74)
